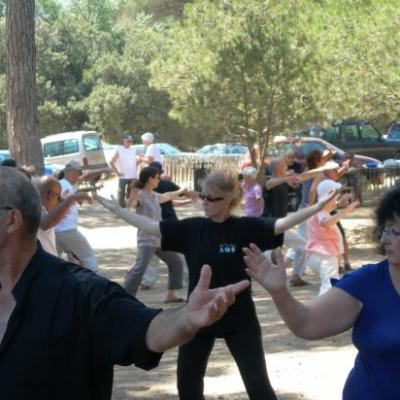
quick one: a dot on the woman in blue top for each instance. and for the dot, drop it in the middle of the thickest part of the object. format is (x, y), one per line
(367, 300)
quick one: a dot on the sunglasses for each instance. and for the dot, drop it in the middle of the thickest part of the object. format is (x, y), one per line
(210, 199)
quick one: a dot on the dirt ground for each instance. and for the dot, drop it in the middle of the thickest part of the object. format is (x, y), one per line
(298, 369)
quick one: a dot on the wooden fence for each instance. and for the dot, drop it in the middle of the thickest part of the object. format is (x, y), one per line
(187, 169)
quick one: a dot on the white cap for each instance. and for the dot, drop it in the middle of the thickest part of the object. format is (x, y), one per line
(148, 136)
(326, 186)
(331, 165)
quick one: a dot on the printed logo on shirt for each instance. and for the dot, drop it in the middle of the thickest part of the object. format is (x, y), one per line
(226, 248)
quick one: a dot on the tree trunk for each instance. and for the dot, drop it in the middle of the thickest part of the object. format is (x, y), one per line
(23, 138)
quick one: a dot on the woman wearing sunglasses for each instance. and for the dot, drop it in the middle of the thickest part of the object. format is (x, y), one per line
(217, 239)
(366, 300)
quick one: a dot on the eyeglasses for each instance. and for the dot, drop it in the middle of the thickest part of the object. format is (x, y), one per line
(210, 199)
(52, 193)
(7, 208)
(389, 232)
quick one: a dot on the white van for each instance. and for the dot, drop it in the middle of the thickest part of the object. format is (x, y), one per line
(82, 146)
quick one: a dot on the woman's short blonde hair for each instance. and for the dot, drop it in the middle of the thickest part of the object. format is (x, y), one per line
(228, 183)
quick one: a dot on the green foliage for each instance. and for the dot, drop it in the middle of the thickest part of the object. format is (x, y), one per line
(198, 71)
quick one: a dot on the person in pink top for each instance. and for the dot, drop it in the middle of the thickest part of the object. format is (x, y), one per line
(324, 241)
(253, 200)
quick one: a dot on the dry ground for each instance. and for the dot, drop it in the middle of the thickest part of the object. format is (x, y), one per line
(298, 369)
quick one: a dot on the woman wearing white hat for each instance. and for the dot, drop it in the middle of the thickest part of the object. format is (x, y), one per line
(323, 237)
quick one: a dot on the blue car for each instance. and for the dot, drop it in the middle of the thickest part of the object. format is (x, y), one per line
(49, 169)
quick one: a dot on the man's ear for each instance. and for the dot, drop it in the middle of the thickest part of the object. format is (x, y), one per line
(15, 221)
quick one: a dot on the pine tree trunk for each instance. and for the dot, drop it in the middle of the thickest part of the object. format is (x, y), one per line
(23, 138)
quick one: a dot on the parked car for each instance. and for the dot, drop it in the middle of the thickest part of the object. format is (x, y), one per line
(165, 148)
(223, 148)
(361, 137)
(49, 168)
(303, 145)
(394, 131)
(82, 146)
(4, 155)
(109, 151)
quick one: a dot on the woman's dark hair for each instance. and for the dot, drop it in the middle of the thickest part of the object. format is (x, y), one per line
(387, 210)
(145, 174)
(313, 158)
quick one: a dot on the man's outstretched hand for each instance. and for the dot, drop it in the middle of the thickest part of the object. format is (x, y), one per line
(206, 306)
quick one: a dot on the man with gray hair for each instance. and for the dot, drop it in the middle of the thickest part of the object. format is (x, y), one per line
(68, 238)
(153, 152)
(54, 208)
(63, 328)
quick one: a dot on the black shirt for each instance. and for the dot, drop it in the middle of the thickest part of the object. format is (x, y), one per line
(68, 329)
(296, 167)
(276, 201)
(204, 241)
(167, 208)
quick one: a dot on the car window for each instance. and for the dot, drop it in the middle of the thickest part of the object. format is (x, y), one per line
(350, 133)
(4, 155)
(331, 135)
(52, 149)
(394, 132)
(70, 146)
(91, 142)
(305, 148)
(368, 132)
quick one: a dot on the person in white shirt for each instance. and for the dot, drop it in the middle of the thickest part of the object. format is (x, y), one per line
(68, 237)
(153, 152)
(124, 164)
(53, 210)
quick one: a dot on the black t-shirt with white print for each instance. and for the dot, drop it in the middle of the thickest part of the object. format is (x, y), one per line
(220, 244)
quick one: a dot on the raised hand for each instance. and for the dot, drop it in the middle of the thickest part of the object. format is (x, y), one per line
(272, 277)
(206, 306)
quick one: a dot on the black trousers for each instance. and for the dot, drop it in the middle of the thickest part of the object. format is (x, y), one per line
(123, 186)
(245, 345)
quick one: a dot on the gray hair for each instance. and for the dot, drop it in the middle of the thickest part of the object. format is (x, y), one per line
(148, 136)
(44, 183)
(17, 191)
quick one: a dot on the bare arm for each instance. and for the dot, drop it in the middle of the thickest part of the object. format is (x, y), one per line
(113, 164)
(334, 219)
(168, 196)
(272, 182)
(139, 221)
(205, 306)
(332, 313)
(57, 213)
(283, 224)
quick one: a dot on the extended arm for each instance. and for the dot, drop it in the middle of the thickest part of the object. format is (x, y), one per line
(272, 182)
(327, 315)
(57, 213)
(205, 306)
(334, 219)
(168, 196)
(139, 221)
(283, 224)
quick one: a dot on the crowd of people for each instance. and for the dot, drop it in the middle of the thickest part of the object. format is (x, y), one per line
(66, 345)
